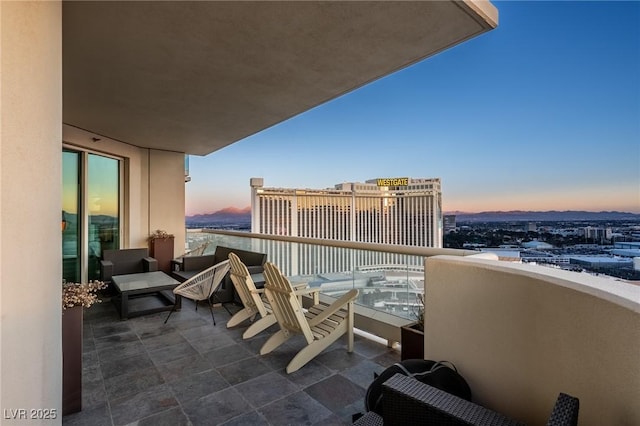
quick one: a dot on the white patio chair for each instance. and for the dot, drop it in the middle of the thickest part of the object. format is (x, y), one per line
(321, 325)
(254, 300)
(202, 286)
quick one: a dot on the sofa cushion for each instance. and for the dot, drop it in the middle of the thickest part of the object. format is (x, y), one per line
(182, 276)
(126, 261)
(198, 263)
(254, 262)
(249, 258)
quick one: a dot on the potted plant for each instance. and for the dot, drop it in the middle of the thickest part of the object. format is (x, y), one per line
(412, 335)
(161, 249)
(75, 297)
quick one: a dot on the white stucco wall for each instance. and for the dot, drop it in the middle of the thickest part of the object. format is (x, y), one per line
(520, 334)
(30, 205)
(167, 196)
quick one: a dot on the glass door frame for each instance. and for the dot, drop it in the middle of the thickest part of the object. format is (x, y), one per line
(83, 204)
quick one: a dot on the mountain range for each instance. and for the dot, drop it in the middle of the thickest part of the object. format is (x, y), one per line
(224, 216)
(235, 215)
(542, 216)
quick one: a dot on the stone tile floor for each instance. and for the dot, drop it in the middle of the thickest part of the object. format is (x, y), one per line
(190, 372)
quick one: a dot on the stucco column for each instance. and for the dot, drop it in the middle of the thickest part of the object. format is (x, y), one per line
(30, 206)
(166, 196)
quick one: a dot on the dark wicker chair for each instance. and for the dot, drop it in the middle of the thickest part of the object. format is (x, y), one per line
(407, 401)
(126, 261)
(565, 411)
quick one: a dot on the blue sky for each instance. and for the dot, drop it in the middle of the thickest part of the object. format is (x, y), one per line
(542, 113)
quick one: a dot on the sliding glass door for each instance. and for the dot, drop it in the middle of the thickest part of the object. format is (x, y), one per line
(91, 212)
(103, 207)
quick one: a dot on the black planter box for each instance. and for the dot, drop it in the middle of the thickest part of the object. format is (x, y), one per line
(412, 342)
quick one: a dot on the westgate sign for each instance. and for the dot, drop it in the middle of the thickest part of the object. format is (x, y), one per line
(393, 181)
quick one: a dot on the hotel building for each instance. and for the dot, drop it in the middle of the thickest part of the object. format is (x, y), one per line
(403, 211)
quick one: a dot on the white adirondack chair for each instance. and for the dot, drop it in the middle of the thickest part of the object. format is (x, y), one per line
(253, 299)
(321, 325)
(202, 286)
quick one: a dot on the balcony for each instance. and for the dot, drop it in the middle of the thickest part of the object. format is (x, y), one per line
(388, 277)
(519, 334)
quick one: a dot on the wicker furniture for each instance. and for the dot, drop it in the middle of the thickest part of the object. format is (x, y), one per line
(202, 286)
(565, 411)
(407, 402)
(126, 261)
(188, 266)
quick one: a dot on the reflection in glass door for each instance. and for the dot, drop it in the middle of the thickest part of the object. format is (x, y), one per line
(90, 213)
(103, 204)
(70, 214)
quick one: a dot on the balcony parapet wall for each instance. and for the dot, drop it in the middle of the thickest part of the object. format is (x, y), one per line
(520, 334)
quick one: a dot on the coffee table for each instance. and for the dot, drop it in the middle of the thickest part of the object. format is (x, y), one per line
(145, 293)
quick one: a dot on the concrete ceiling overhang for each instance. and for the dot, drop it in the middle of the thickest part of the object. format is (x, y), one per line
(195, 77)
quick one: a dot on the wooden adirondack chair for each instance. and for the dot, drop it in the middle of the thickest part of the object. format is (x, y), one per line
(254, 300)
(321, 325)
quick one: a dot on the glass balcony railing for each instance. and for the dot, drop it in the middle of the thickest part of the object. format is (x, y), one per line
(387, 281)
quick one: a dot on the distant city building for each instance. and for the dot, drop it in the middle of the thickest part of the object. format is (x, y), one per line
(626, 249)
(401, 211)
(632, 245)
(537, 245)
(449, 221)
(532, 227)
(626, 252)
(601, 262)
(597, 235)
(505, 254)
